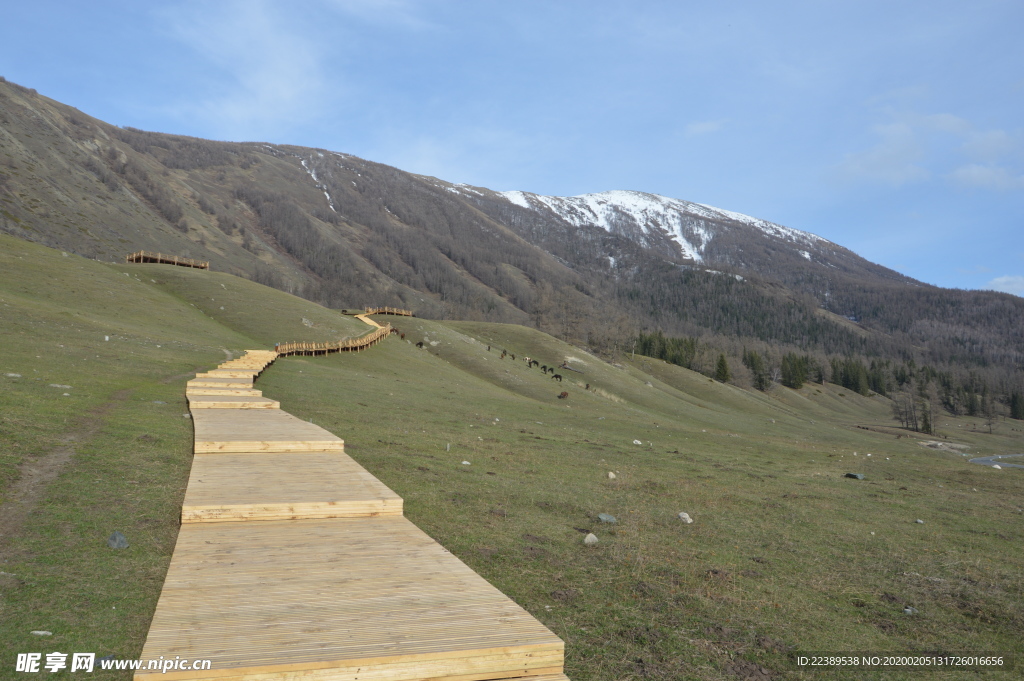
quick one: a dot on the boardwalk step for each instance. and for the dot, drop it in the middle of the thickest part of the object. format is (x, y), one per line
(365, 598)
(230, 402)
(261, 486)
(251, 430)
(219, 383)
(248, 392)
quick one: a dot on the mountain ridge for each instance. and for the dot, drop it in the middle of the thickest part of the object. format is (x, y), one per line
(593, 269)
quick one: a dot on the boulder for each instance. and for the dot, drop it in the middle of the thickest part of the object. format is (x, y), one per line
(117, 541)
(590, 539)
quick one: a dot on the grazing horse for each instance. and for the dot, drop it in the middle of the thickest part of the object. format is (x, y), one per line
(588, 386)
(513, 357)
(557, 377)
(544, 368)
(403, 336)
(563, 395)
(488, 348)
(420, 344)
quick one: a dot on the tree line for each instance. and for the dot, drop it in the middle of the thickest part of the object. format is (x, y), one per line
(917, 392)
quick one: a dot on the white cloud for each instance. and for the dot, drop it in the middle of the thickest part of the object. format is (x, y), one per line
(267, 72)
(1012, 284)
(894, 161)
(472, 154)
(401, 13)
(703, 128)
(915, 147)
(945, 122)
(989, 145)
(980, 269)
(987, 177)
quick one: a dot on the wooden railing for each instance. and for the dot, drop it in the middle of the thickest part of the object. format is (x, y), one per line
(164, 259)
(380, 310)
(345, 345)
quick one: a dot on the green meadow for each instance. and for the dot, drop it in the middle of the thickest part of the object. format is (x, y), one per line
(785, 554)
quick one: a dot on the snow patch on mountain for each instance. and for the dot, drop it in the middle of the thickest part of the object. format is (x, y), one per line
(518, 198)
(767, 227)
(316, 180)
(683, 221)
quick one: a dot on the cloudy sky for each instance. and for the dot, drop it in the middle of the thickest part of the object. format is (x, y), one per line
(893, 128)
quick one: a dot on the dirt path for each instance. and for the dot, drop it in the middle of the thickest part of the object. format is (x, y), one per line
(35, 474)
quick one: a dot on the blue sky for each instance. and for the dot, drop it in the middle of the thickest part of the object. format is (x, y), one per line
(893, 128)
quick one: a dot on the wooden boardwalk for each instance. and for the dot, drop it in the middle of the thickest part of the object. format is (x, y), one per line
(164, 259)
(380, 310)
(378, 334)
(294, 562)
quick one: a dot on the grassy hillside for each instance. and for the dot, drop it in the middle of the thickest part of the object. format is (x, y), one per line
(344, 232)
(784, 554)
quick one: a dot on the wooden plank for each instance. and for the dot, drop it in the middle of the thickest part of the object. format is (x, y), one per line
(226, 373)
(217, 383)
(250, 430)
(262, 486)
(230, 402)
(223, 380)
(361, 598)
(190, 390)
(416, 670)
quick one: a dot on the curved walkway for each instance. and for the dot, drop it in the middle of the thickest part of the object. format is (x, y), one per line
(997, 460)
(295, 562)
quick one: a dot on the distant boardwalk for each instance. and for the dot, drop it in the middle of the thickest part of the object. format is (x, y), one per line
(164, 259)
(348, 344)
(380, 310)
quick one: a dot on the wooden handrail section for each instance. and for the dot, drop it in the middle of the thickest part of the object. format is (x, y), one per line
(380, 310)
(389, 310)
(343, 345)
(164, 259)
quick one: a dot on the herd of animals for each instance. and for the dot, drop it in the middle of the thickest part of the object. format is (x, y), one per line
(530, 363)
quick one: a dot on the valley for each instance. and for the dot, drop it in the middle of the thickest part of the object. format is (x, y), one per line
(785, 553)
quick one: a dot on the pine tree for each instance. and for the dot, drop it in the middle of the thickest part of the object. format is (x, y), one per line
(1017, 406)
(794, 370)
(722, 374)
(926, 419)
(753, 361)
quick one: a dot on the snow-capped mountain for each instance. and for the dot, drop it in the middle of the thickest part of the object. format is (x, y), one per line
(685, 232)
(650, 218)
